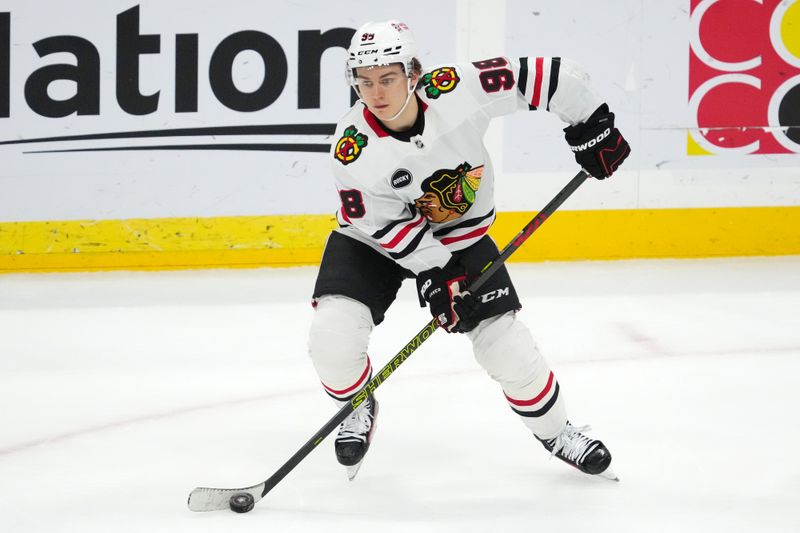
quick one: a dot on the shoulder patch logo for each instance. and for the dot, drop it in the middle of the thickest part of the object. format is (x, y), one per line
(442, 80)
(350, 145)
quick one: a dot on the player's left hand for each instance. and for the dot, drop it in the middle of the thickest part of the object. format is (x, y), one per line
(599, 147)
(439, 287)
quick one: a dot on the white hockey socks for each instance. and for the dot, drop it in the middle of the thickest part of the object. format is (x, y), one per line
(504, 347)
(337, 344)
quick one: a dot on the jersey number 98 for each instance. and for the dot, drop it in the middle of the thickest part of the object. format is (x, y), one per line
(493, 76)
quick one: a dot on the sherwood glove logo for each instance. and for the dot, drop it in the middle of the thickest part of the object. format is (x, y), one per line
(593, 142)
(83, 72)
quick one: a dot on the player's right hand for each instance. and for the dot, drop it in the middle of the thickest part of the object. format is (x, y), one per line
(599, 147)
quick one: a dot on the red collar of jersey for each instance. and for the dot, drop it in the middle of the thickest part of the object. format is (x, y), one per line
(376, 125)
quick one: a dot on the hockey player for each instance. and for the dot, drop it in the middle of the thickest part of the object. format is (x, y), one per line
(416, 186)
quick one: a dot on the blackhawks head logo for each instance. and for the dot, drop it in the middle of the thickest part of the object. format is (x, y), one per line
(449, 193)
(350, 145)
(441, 80)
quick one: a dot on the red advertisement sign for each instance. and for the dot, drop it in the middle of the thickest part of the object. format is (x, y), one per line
(744, 76)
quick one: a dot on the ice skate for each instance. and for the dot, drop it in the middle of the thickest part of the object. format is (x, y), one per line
(590, 456)
(355, 434)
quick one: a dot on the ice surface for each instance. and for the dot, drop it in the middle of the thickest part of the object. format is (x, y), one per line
(121, 392)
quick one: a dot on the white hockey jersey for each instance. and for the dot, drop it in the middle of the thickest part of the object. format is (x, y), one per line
(417, 199)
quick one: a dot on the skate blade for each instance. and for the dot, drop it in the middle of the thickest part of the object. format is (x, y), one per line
(608, 474)
(353, 470)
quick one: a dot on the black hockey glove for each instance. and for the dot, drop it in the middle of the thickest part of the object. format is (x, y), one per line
(441, 289)
(599, 147)
(466, 306)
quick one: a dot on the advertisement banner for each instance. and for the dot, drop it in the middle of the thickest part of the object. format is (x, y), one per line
(744, 76)
(120, 109)
(192, 133)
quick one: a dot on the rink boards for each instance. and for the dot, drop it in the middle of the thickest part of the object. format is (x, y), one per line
(299, 240)
(188, 134)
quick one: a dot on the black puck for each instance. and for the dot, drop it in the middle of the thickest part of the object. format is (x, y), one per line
(242, 502)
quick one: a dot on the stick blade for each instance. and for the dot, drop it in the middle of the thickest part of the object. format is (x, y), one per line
(204, 499)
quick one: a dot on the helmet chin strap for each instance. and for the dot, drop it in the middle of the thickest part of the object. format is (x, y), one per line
(410, 90)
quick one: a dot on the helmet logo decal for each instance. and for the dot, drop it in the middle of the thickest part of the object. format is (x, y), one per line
(442, 80)
(350, 145)
(380, 43)
(448, 194)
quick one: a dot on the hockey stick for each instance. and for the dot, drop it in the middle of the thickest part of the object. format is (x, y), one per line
(211, 499)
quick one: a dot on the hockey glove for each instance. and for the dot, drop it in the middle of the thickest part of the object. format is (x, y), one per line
(438, 287)
(466, 307)
(598, 146)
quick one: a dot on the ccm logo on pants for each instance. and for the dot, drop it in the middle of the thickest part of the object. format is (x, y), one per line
(494, 295)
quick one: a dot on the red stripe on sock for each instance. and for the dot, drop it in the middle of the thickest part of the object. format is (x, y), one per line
(528, 403)
(358, 384)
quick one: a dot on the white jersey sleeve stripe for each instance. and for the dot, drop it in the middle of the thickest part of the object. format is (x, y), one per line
(402, 234)
(466, 224)
(474, 234)
(381, 233)
(574, 100)
(522, 78)
(413, 245)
